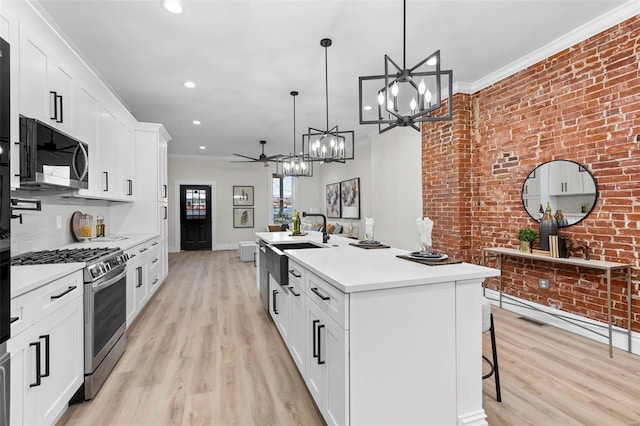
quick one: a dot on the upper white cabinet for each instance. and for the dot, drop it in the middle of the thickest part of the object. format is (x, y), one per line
(126, 184)
(46, 83)
(162, 169)
(566, 178)
(107, 154)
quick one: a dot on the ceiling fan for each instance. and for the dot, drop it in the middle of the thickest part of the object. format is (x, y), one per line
(261, 159)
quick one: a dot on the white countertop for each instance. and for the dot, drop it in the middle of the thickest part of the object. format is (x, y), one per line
(25, 278)
(124, 241)
(352, 269)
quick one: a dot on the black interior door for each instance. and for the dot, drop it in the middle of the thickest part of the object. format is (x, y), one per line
(195, 217)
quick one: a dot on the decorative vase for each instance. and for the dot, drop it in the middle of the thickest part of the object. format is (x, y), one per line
(548, 226)
(525, 246)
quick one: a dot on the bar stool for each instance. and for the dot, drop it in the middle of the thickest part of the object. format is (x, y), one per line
(487, 325)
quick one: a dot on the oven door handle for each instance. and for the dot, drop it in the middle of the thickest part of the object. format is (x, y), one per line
(101, 286)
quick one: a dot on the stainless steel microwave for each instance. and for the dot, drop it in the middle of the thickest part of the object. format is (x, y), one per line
(49, 158)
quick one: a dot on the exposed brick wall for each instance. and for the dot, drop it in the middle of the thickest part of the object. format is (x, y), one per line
(581, 104)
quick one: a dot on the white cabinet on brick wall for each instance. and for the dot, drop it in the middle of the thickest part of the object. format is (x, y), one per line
(565, 178)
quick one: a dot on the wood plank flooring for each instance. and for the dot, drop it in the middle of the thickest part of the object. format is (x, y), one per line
(204, 352)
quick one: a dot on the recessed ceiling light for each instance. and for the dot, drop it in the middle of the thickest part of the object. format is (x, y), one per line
(196, 122)
(189, 84)
(367, 108)
(203, 147)
(172, 6)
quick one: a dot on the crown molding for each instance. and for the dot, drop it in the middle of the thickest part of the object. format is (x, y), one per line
(591, 28)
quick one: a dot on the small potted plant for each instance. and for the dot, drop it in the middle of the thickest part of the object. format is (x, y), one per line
(526, 236)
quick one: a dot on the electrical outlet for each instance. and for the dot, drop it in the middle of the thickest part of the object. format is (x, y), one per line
(543, 284)
(58, 222)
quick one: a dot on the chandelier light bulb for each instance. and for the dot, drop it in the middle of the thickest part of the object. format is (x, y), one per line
(413, 104)
(380, 98)
(341, 144)
(394, 89)
(303, 165)
(422, 87)
(332, 143)
(390, 104)
(428, 95)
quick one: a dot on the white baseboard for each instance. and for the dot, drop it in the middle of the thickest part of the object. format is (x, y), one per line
(544, 314)
(475, 418)
(173, 249)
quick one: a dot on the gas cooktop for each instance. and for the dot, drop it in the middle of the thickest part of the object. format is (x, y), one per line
(99, 261)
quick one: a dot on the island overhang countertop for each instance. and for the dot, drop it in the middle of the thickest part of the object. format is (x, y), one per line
(353, 269)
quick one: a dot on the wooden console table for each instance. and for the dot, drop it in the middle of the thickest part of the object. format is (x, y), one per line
(607, 267)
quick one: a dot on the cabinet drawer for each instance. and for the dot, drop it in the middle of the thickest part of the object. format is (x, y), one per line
(154, 257)
(329, 299)
(53, 296)
(297, 275)
(154, 278)
(22, 313)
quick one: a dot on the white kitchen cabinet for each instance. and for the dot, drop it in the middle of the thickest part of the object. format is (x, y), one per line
(298, 329)
(87, 119)
(531, 186)
(565, 178)
(143, 276)
(588, 183)
(163, 225)
(126, 162)
(163, 189)
(107, 154)
(280, 308)
(47, 358)
(46, 85)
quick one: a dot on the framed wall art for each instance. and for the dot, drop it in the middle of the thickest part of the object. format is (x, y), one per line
(243, 196)
(350, 198)
(243, 217)
(333, 200)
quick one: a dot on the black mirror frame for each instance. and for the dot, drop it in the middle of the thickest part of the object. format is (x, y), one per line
(532, 172)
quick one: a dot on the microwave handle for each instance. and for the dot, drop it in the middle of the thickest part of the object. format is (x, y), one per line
(80, 148)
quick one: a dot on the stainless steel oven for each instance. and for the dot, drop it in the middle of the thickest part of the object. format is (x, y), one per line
(105, 302)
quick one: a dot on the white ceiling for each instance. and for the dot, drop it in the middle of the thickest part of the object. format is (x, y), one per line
(246, 56)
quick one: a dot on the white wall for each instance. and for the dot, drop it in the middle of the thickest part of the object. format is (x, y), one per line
(195, 169)
(389, 168)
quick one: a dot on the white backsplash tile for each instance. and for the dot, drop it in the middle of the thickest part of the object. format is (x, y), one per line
(39, 231)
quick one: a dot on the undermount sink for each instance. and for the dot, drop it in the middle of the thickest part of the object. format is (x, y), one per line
(296, 246)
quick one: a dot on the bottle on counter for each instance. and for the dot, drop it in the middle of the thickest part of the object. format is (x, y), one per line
(100, 226)
(296, 222)
(548, 226)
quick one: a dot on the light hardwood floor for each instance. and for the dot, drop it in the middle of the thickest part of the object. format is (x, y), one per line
(204, 352)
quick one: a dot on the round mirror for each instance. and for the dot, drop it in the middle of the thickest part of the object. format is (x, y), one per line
(567, 186)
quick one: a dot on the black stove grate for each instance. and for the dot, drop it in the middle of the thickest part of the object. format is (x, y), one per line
(88, 255)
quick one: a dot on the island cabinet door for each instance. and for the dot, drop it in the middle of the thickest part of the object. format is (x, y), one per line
(328, 369)
(297, 343)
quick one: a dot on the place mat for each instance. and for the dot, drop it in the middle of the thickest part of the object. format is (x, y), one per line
(370, 246)
(447, 261)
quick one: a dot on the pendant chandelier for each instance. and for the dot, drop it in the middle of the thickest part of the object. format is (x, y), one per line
(403, 96)
(330, 145)
(295, 165)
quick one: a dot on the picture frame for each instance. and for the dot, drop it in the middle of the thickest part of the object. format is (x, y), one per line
(333, 200)
(243, 217)
(242, 195)
(350, 198)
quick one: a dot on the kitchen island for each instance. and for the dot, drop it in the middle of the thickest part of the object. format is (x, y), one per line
(381, 340)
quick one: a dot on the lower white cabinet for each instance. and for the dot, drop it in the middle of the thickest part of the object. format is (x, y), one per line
(280, 307)
(143, 276)
(47, 363)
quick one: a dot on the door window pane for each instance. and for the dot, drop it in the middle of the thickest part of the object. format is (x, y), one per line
(196, 204)
(282, 197)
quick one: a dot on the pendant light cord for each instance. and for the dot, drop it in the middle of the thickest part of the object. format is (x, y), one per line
(326, 85)
(404, 35)
(294, 125)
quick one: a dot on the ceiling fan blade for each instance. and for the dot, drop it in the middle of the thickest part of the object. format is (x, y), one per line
(274, 157)
(245, 161)
(244, 156)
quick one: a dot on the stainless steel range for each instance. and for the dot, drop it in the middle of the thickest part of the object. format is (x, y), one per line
(105, 303)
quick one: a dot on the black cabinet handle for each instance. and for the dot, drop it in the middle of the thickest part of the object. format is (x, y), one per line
(155, 260)
(295, 273)
(155, 244)
(320, 361)
(254, 260)
(130, 187)
(139, 269)
(165, 210)
(293, 292)
(320, 295)
(315, 348)
(67, 291)
(275, 307)
(13, 319)
(38, 376)
(59, 120)
(106, 181)
(164, 191)
(46, 355)
(142, 250)
(54, 100)
(154, 281)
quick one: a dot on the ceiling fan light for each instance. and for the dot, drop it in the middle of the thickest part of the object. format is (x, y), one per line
(172, 6)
